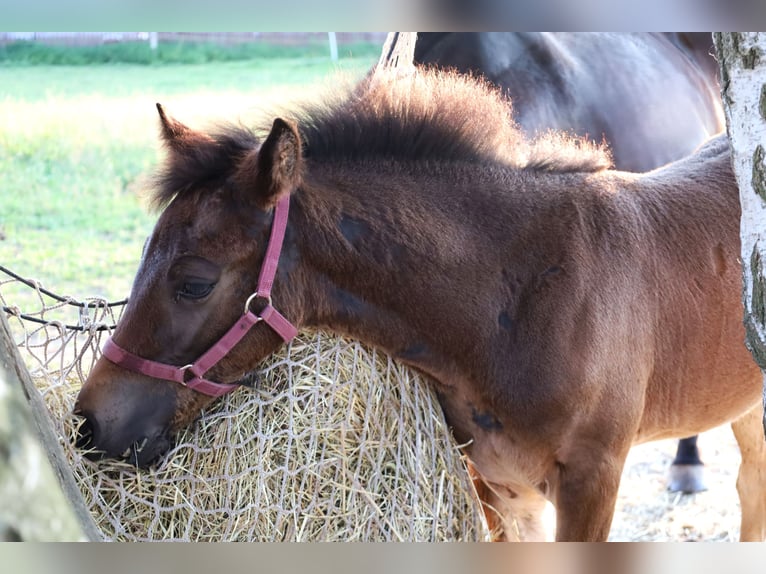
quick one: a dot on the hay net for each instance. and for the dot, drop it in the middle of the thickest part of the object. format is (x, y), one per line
(337, 443)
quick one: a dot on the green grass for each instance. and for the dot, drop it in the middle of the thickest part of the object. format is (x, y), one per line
(35, 83)
(78, 142)
(34, 53)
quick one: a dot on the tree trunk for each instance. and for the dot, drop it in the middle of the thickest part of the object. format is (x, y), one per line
(39, 500)
(742, 57)
(399, 50)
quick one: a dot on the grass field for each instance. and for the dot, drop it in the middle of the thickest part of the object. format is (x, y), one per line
(78, 142)
(173, 52)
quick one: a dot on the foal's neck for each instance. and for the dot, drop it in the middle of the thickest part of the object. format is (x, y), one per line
(399, 259)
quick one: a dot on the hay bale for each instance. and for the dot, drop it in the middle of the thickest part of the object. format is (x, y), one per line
(338, 443)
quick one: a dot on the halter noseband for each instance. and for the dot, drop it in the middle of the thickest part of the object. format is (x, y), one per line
(269, 315)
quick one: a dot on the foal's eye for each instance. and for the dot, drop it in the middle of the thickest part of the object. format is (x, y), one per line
(195, 290)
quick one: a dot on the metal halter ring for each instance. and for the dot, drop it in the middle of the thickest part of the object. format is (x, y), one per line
(256, 296)
(184, 370)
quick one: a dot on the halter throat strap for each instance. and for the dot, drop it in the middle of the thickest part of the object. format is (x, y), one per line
(192, 375)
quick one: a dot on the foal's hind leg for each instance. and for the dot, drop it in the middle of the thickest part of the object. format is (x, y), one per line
(751, 481)
(687, 471)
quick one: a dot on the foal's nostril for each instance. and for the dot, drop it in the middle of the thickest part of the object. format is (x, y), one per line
(85, 432)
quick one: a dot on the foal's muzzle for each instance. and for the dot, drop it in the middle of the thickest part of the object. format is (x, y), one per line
(141, 452)
(125, 416)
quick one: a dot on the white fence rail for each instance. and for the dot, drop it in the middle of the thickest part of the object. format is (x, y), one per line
(96, 38)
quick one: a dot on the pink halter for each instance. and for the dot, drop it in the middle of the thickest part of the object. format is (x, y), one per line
(203, 364)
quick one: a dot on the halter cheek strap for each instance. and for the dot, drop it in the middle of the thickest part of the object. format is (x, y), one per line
(192, 375)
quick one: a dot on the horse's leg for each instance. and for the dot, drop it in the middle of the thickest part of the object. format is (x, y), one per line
(751, 481)
(686, 472)
(486, 497)
(587, 493)
(518, 514)
(511, 516)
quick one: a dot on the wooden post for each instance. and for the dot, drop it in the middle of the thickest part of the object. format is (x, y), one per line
(399, 50)
(39, 498)
(333, 46)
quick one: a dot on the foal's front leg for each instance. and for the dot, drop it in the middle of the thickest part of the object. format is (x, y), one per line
(513, 515)
(587, 493)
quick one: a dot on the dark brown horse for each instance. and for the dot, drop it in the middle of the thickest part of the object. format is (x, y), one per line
(653, 97)
(564, 311)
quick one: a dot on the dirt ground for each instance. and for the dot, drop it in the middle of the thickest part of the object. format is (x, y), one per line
(647, 511)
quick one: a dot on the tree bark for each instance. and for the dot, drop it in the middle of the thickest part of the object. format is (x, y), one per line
(399, 50)
(742, 57)
(39, 500)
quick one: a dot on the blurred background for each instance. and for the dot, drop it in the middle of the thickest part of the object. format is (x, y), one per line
(79, 131)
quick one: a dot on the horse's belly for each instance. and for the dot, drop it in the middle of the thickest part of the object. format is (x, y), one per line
(701, 402)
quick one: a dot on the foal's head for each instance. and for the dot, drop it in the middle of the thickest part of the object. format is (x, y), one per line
(199, 268)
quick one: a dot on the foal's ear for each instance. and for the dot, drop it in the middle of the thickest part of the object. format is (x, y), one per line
(275, 169)
(177, 136)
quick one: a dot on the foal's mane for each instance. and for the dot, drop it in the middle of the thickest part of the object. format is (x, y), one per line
(426, 115)
(431, 114)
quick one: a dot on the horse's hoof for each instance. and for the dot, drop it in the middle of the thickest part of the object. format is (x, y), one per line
(687, 478)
